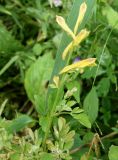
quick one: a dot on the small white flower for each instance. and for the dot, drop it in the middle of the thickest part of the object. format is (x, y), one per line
(57, 3)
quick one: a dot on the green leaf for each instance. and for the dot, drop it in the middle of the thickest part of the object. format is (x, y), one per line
(44, 122)
(77, 110)
(47, 156)
(19, 123)
(103, 86)
(106, 59)
(83, 119)
(112, 16)
(91, 105)
(91, 72)
(88, 137)
(11, 61)
(4, 10)
(37, 49)
(113, 153)
(36, 79)
(75, 84)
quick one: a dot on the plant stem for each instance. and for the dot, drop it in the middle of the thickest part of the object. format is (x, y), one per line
(52, 112)
(50, 115)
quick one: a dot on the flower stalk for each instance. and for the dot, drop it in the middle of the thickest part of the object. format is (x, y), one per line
(58, 83)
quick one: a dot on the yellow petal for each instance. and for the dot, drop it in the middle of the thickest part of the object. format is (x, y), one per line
(61, 21)
(66, 50)
(82, 12)
(56, 81)
(78, 39)
(80, 64)
(81, 36)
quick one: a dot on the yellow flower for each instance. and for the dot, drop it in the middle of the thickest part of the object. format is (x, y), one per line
(82, 12)
(79, 65)
(78, 39)
(56, 82)
(61, 21)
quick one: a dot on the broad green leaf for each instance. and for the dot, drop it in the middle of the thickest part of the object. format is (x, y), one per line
(91, 72)
(19, 123)
(106, 58)
(103, 87)
(71, 21)
(91, 105)
(112, 16)
(36, 79)
(113, 153)
(77, 85)
(83, 119)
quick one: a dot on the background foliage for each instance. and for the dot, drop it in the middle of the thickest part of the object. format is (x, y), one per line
(28, 34)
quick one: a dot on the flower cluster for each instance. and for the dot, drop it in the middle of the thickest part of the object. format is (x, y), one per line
(77, 38)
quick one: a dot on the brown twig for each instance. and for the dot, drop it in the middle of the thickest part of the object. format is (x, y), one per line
(89, 144)
(112, 134)
(79, 148)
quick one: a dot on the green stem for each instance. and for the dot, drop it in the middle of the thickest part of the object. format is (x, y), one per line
(52, 113)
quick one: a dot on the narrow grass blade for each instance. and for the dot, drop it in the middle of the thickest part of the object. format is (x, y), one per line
(11, 61)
